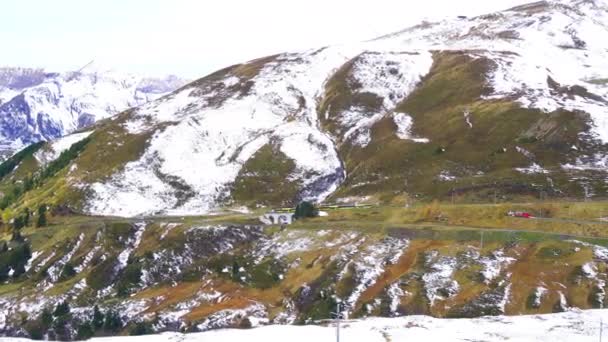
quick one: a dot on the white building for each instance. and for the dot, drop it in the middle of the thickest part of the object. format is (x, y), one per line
(277, 218)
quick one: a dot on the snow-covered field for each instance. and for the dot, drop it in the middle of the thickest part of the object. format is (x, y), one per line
(571, 326)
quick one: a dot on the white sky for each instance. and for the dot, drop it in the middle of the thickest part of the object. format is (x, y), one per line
(191, 38)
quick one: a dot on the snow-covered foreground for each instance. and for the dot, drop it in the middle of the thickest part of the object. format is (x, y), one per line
(569, 326)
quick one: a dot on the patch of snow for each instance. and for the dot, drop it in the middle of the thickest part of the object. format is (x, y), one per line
(167, 227)
(438, 281)
(493, 265)
(446, 176)
(35, 256)
(539, 292)
(87, 259)
(525, 152)
(589, 270)
(132, 245)
(395, 293)
(58, 146)
(55, 270)
(534, 168)
(370, 263)
(467, 118)
(256, 314)
(598, 162)
(404, 128)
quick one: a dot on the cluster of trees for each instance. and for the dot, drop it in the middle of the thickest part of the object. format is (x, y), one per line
(305, 209)
(13, 260)
(129, 278)
(109, 322)
(23, 220)
(37, 179)
(11, 163)
(55, 323)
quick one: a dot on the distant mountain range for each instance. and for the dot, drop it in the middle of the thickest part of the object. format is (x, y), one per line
(37, 105)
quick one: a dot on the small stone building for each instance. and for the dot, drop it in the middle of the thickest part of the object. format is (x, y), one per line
(277, 218)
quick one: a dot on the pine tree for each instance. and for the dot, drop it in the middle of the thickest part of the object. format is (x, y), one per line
(62, 309)
(26, 217)
(305, 209)
(85, 331)
(16, 235)
(98, 318)
(46, 318)
(41, 216)
(112, 322)
(18, 223)
(235, 269)
(67, 272)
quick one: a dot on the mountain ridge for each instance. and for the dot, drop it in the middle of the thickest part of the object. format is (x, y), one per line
(37, 105)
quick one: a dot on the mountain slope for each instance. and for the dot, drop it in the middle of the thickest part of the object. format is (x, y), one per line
(198, 274)
(36, 105)
(509, 105)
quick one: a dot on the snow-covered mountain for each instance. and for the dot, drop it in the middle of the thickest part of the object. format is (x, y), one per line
(36, 105)
(514, 101)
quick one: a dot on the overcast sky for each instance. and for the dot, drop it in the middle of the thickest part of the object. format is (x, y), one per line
(191, 38)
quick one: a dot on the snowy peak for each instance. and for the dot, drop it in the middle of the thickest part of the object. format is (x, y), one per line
(38, 106)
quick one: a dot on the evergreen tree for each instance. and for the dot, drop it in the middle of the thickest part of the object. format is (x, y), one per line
(17, 236)
(62, 309)
(3, 273)
(98, 318)
(26, 217)
(28, 184)
(35, 329)
(41, 216)
(305, 209)
(46, 318)
(235, 270)
(67, 272)
(141, 328)
(18, 223)
(3, 247)
(85, 331)
(112, 323)
(18, 270)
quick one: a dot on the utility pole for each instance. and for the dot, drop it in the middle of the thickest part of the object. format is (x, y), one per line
(338, 315)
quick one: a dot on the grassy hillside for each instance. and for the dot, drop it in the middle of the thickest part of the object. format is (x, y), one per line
(205, 272)
(477, 160)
